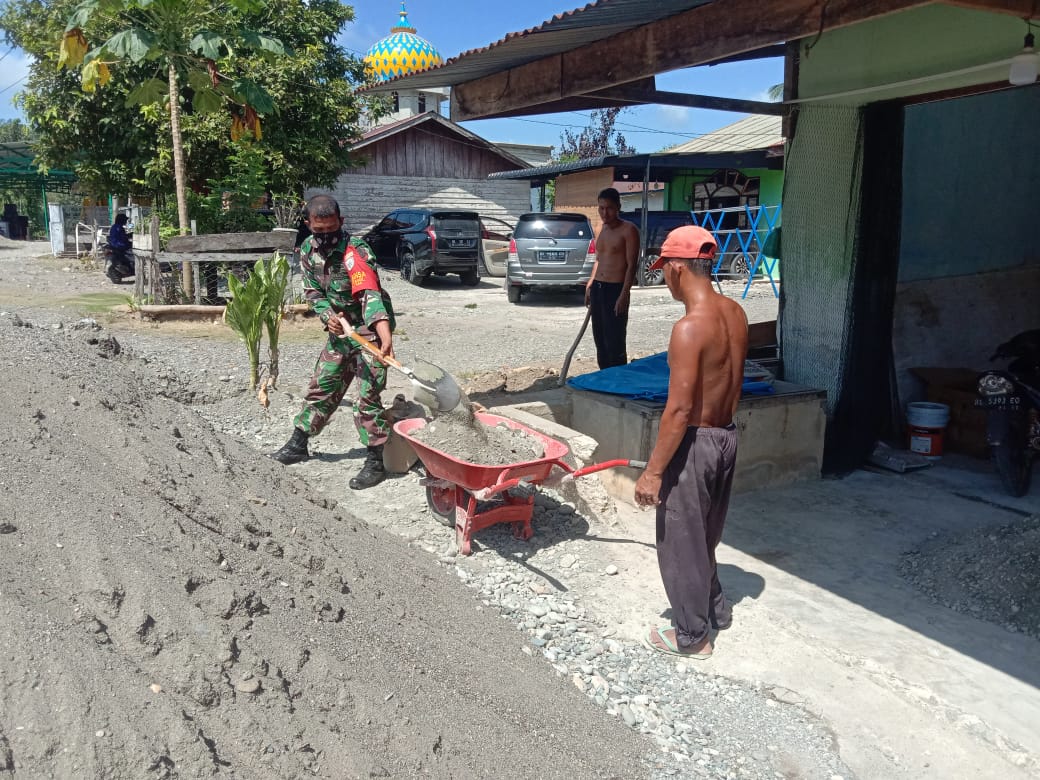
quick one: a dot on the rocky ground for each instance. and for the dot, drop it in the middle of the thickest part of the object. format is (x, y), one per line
(992, 574)
(179, 605)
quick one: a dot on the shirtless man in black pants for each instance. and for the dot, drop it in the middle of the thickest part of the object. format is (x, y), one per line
(607, 293)
(690, 472)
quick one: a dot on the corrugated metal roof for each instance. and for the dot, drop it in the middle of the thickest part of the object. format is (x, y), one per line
(563, 32)
(661, 164)
(18, 166)
(759, 131)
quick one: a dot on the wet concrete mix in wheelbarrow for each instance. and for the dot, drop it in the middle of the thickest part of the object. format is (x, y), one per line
(461, 435)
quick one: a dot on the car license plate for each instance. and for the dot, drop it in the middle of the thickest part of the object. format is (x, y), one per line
(999, 402)
(553, 255)
(459, 242)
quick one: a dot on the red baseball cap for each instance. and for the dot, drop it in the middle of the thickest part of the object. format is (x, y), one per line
(689, 242)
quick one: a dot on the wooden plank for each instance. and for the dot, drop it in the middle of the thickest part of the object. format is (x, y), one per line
(213, 257)
(525, 85)
(662, 98)
(234, 242)
(703, 34)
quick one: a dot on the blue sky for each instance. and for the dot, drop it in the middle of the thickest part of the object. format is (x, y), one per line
(454, 26)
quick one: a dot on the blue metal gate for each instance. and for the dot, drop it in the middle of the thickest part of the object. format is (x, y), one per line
(740, 232)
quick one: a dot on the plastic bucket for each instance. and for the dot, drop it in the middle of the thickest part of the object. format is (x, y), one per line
(927, 421)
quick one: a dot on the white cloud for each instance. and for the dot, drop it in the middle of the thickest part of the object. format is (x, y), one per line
(670, 117)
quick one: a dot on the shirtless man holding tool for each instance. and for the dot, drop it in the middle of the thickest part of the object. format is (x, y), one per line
(690, 471)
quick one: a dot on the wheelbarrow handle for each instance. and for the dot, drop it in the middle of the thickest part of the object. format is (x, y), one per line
(607, 464)
(506, 484)
(488, 492)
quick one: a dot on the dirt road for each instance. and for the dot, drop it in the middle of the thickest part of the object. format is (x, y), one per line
(180, 606)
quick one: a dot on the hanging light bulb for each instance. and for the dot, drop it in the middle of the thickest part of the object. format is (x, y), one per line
(1026, 65)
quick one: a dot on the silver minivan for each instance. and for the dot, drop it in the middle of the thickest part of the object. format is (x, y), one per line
(549, 250)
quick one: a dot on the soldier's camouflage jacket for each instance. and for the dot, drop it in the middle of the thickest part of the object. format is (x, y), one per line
(345, 283)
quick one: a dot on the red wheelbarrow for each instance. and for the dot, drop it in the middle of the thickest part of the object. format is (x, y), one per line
(472, 496)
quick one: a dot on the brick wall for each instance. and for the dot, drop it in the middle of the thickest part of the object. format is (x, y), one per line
(364, 200)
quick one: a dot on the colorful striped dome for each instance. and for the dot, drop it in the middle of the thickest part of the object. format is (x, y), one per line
(400, 52)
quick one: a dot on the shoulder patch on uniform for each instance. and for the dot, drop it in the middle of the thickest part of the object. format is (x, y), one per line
(350, 261)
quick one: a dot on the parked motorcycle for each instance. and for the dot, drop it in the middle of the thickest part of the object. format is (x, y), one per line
(119, 264)
(1012, 401)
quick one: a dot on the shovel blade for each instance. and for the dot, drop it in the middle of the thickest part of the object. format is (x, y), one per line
(435, 387)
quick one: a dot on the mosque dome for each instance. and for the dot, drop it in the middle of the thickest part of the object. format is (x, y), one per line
(401, 52)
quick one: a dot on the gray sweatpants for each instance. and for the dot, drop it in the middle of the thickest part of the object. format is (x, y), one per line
(694, 499)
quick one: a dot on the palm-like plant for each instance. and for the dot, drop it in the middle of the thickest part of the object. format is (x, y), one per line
(257, 305)
(275, 280)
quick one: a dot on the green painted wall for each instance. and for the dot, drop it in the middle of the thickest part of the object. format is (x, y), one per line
(921, 42)
(771, 184)
(770, 193)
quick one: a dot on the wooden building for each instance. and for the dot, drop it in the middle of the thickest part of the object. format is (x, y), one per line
(428, 161)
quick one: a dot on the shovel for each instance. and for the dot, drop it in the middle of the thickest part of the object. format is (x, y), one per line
(435, 387)
(567, 361)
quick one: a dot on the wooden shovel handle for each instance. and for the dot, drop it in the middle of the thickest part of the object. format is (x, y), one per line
(368, 346)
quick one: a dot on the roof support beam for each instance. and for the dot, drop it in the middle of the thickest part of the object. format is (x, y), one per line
(700, 35)
(631, 95)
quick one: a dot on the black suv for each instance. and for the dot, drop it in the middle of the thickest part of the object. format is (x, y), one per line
(429, 241)
(658, 225)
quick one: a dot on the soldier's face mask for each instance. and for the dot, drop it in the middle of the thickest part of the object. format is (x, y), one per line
(325, 242)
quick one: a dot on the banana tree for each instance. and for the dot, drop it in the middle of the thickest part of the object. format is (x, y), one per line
(186, 40)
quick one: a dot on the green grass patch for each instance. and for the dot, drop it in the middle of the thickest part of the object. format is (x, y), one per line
(94, 303)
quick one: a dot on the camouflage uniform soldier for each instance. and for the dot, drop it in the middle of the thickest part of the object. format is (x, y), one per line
(339, 281)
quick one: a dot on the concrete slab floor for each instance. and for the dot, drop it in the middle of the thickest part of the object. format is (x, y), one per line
(909, 688)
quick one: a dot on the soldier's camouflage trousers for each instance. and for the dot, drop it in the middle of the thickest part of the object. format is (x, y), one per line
(338, 364)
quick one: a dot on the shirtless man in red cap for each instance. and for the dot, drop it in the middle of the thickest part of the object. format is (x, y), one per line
(690, 472)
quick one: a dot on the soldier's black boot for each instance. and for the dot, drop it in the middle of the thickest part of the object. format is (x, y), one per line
(372, 473)
(294, 450)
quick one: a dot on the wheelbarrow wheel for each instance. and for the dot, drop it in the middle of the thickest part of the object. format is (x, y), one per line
(441, 501)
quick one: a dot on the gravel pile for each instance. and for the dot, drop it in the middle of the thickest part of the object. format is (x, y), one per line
(992, 574)
(173, 605)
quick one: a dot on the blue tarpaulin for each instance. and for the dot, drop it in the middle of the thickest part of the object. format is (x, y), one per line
(646, 379)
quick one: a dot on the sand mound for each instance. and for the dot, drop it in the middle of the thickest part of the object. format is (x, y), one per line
(173, 605)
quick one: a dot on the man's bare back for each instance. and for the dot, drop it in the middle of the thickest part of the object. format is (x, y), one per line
(716, 330)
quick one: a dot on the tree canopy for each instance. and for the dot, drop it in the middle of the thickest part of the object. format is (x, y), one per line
(14, 130)
(598, 139)
(117, 138)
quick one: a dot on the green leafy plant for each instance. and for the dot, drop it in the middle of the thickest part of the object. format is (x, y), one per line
(275, 281)
(184, 41)
(257, 305)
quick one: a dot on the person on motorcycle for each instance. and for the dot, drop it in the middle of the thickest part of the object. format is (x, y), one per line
(121, 245)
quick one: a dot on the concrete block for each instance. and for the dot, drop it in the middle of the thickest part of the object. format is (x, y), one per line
(781, 436)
